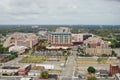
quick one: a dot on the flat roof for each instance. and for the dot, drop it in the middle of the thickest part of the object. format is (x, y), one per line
(25, 66)
(37, 68)
(59, 32)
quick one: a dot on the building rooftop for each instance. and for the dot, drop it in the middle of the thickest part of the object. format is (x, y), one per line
(24, 36)
(25, 66)
(59, 32)
(37, 67)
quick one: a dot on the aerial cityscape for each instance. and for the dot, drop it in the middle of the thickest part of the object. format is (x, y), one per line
(60, 40)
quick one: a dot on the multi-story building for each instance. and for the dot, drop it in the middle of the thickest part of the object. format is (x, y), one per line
(96, 42)
(59, 38)
(114, 69)
(79, 38)
(24, 39)
(98, 51)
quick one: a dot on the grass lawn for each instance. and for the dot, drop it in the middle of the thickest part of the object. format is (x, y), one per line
(33, 59)
(102, 60)
(62, 58)
(39, 59)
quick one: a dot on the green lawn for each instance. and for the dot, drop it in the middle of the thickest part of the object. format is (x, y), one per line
(102, 60)
(33, 59)
(39, 59)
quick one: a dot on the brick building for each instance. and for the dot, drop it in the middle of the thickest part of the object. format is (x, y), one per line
(24, 70)
(113, 69)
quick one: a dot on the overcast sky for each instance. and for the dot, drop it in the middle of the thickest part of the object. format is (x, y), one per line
(60, 12)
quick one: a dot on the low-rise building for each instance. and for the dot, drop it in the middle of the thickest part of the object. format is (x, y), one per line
(19, 49)
(36, 71)
(26, 79)
(24, 70)
(9, 70)
(98, 51)
(47, 66)
(104, 73)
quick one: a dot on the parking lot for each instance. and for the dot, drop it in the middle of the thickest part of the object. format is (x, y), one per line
(48, 53)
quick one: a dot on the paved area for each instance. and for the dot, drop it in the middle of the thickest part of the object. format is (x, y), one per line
(14, 61)
(9, 78)
(68, 70)
(70, 66)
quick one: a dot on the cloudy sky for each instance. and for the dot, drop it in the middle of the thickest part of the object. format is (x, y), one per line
(60, 12)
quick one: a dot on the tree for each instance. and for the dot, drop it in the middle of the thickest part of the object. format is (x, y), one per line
(113, 54)
(44, 75)
(91, 69)
(3, 49)
(104, 55)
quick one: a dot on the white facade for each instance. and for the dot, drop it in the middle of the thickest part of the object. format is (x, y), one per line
(19, 49)
(25, 79)
(34, 73)
(77, 37)
(46, 66)
(8, 70)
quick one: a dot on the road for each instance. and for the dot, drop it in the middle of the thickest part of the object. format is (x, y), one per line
(70, 66)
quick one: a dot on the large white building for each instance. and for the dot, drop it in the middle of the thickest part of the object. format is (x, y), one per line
(36, 71)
